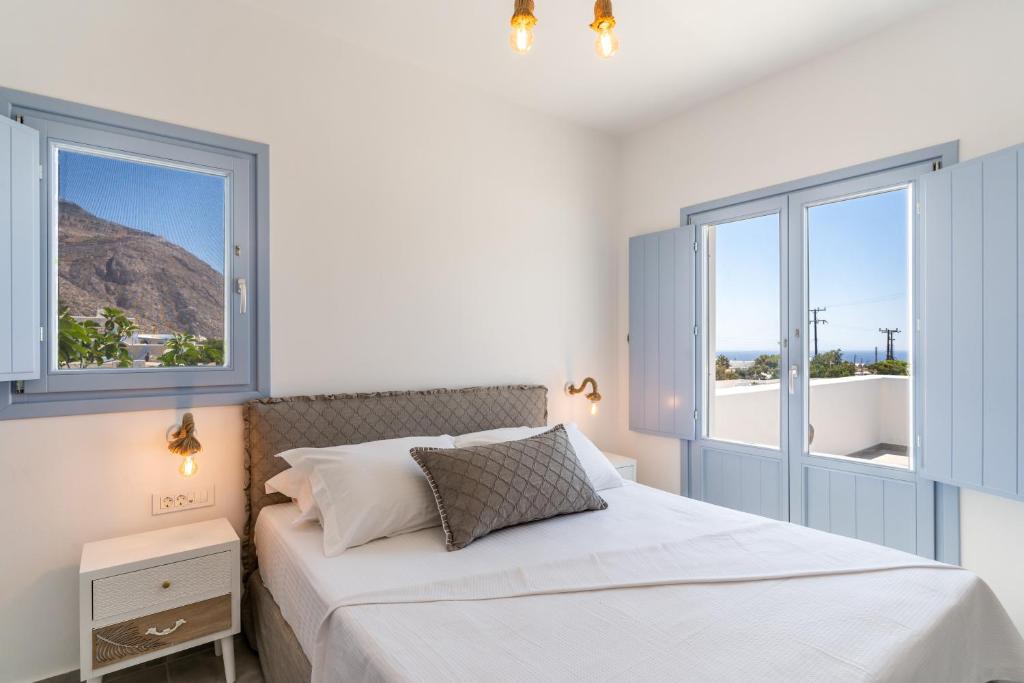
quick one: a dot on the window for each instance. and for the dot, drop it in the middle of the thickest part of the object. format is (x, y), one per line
(859, 331)
(153, 242)
(743, 328)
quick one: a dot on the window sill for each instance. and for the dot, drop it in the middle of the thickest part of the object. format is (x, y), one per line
(47, 405)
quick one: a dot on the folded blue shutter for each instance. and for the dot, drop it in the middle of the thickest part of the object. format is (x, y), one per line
(19, 252)
(662, 325)
(971, 223)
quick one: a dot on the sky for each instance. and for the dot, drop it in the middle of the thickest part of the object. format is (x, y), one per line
(183, 207)
(857, 271)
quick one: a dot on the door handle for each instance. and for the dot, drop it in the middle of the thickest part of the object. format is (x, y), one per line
(243, 295)
(794, 372)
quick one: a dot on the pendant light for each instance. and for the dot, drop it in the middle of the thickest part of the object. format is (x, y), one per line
(607, 43)
(523, 22)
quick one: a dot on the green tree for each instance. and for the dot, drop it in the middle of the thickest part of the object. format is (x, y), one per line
(766, 366)
(212, 352)
(110, 340)
(723, 368)
(181, 350)
(89, 343)
(831, 364)
(889, 367)
(184, 350)
(74, 340)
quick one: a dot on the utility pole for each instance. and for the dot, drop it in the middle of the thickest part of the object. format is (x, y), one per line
(890, 342)
(815, 320)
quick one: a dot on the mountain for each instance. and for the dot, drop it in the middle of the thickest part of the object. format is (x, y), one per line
(162, 286)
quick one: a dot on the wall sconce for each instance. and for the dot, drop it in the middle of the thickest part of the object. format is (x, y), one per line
(184, 443)
(594, 397)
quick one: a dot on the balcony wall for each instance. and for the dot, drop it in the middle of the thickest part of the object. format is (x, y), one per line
(848, 413)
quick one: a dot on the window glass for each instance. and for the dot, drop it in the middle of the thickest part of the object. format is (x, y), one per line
(743, 402)
(858, 333)
(140, 263)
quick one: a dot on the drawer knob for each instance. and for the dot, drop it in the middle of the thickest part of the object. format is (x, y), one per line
(166, 584)
(153, 631)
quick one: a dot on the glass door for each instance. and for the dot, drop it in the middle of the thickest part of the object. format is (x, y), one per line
(739, 459)
(851, 374)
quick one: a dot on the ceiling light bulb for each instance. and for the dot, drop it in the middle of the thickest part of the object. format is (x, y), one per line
(521, 38)
(523, 22)
(607, 43)
(188, 466)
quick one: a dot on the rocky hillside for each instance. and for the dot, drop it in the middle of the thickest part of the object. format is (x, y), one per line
(164, 287)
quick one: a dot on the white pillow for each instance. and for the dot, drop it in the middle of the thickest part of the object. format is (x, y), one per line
(364, 496)
(294, 482)
(600, 471)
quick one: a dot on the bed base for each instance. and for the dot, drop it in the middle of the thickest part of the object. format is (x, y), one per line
(281, 657)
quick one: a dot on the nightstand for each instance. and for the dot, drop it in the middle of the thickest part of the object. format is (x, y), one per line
(625, 466)
(152, 594)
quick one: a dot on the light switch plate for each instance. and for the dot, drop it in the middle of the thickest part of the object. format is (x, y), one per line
(185, 499)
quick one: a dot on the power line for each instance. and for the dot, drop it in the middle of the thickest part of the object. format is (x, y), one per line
(890, 342)
(815, 320)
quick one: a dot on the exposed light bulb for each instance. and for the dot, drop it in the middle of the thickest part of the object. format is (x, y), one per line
(188, 466)
(593, 408)
(607, 43)
(521, 39)
(523, 21)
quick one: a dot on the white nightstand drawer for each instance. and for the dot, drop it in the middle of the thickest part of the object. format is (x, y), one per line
(627, 472)
(164, 586)
(626, 467)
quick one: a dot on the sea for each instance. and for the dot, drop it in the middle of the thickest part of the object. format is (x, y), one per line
(867, 356)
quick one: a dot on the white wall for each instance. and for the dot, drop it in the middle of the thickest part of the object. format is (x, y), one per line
(952, 74)
(848, 413)
(438, 237)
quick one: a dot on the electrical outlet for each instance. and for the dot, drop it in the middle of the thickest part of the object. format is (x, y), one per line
(176, 501)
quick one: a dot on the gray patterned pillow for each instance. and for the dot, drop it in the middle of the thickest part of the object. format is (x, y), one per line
(485, 488)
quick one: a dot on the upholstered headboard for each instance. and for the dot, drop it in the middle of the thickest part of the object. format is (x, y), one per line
(274, 425)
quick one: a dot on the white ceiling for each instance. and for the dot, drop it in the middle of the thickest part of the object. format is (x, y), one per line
(674, 52)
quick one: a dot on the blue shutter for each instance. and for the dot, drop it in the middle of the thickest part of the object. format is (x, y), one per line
(971, 315)
(662, 343)
(19, 252)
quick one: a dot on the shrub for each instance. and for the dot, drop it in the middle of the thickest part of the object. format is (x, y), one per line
(889, 367)
(831, 364)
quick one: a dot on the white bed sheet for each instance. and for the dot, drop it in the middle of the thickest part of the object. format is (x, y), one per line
(657, 587)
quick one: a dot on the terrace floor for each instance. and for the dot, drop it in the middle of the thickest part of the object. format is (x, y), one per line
(884, 454)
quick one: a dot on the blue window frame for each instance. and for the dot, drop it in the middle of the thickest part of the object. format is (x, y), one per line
(778, 477)
(153, 242)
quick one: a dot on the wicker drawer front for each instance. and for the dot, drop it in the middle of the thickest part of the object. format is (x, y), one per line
(117, 642)
(178, 583)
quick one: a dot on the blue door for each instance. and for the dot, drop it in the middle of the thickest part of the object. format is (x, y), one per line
(740, 457)
(853, 374)
(806, 350)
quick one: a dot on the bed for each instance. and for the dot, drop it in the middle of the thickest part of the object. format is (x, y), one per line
(656, 587)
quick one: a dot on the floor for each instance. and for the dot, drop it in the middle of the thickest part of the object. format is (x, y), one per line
(198, 665)
(884, 454)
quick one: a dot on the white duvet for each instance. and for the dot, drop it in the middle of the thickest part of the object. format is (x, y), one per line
(656, 587)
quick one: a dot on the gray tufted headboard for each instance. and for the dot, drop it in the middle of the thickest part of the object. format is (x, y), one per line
(273, 425)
